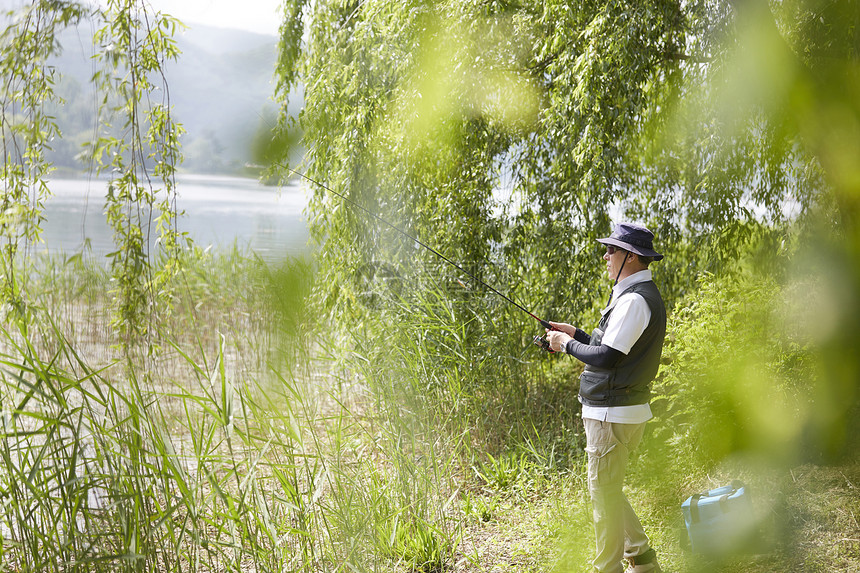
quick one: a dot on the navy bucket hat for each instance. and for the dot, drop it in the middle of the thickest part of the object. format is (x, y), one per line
(634, 238)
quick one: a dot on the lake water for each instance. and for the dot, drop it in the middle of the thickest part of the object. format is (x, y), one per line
(219, 211)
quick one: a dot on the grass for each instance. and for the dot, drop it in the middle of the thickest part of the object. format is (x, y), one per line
(243, 444)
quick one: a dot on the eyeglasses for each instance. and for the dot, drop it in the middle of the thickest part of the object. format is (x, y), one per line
(610, 250)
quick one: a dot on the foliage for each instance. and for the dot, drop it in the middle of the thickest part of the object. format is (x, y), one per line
(94, 478)
(303, 470)
(420, 545)
(734, 378)
(507, 134)
(741, 394)
(135, 45)
(137, 142)
(27, 130)
(98, 472)
(479, 507)
(502, 472)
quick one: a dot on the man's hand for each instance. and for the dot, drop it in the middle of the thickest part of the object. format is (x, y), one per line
(568, 329)
(558, 338)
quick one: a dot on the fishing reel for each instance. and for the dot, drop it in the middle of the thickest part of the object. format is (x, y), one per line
(543, 343)
(541, 340)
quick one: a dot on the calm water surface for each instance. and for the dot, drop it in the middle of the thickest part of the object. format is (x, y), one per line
(219, 211)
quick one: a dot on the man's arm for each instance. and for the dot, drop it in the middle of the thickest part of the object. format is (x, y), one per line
(582, 336)
(602, 356)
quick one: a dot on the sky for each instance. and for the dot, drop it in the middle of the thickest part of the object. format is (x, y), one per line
(261, 16)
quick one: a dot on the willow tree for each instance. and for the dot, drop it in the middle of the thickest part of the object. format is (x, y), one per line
(136, 143)
(27, 129)
(510, 134)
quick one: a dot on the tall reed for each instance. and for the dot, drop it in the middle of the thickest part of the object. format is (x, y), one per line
(193, 460)
(248, 440)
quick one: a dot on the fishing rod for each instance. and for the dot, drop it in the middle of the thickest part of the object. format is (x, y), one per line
(542, 342)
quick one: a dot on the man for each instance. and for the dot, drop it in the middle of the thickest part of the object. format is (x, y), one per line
(621, 358)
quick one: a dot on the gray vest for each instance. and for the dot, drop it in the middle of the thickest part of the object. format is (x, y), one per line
(629, 382)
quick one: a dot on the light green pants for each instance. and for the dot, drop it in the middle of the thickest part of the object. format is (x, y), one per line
(618, 532)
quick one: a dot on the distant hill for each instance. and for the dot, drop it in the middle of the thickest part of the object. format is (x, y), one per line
(220, 90)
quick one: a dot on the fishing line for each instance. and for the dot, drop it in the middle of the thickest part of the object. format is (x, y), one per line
(346, 199)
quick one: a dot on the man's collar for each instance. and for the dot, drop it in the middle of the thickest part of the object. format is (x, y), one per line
(627, 282)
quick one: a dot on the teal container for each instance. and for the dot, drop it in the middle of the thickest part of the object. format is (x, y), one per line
(720, 521)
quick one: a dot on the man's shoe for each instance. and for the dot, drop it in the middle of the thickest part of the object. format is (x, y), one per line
(644, 563)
